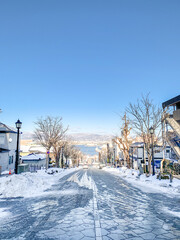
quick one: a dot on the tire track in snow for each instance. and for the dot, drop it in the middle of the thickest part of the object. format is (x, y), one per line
(88, 182)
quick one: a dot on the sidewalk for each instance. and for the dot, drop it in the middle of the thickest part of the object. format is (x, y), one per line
(147, 184)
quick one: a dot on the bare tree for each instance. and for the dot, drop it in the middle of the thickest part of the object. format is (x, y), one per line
(68, 148)
(48, 132)
(57, 148)
(66, 144)
(143, 115)
(103, 155)
(124, 142)
(76, 155)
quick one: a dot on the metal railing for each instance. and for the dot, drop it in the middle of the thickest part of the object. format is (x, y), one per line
(34, 167)
(174, 146)
(175, 126)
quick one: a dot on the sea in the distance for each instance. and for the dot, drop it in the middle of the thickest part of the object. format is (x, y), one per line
(87, 150)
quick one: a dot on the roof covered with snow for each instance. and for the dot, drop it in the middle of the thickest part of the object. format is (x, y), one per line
(34, 156)
(137, 144)
(38, 148)
(5, 128)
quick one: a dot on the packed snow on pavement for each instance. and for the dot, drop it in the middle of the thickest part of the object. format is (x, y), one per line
(147, 184)
(31, 184)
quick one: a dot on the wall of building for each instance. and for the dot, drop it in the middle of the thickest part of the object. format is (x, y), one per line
(139, 155)
(7, 159)
(176, 115)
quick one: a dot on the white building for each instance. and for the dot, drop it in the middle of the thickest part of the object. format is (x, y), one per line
(8, 141)
(35, 160)
(139, 156)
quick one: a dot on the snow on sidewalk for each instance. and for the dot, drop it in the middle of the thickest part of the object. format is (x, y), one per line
(31, 184)
(147, 184)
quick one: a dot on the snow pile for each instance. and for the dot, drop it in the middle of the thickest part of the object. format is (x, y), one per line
(176, 214)
(6, 172)
(31, 184)
(4, 213)
(146, 184)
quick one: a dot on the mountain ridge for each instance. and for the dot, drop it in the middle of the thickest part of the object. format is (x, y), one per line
(76, 136)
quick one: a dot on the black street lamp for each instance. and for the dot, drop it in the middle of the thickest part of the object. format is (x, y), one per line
(151, 130)
(18, 126)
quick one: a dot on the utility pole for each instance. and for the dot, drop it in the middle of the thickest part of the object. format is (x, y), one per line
(114, 151)
(47, 159)
(108, 158)
(152, 146)
(99, 157)
(153, 156)
(126, 132)
(144, 155)
(62, 160)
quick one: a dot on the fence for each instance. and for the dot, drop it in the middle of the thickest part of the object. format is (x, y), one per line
(34, 167)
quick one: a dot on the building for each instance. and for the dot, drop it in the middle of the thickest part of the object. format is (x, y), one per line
(138, 155)
(8, 141)
(34, 148)
(35, 161)
(171, 125)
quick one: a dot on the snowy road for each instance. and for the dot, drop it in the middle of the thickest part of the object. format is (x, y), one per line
(91, 204)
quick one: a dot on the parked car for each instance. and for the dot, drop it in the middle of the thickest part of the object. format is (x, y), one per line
(85, 166)
(101, 165)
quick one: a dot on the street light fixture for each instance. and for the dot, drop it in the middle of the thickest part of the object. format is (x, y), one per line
(151, 130)
(18, 126)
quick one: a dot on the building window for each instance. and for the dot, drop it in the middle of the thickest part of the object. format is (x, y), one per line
(10, 159)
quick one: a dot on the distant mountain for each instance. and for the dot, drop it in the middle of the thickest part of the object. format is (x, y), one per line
(86, 137)
(27, 135)
(90, 137)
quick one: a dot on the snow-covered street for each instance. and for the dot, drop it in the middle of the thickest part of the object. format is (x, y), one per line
(88, 204)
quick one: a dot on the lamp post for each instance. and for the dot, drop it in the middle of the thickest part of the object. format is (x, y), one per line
(18, 126)
(151, 130)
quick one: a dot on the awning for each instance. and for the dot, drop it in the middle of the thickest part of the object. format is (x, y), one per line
(171, 102)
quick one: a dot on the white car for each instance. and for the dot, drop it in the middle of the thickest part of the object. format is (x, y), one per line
(85, 166)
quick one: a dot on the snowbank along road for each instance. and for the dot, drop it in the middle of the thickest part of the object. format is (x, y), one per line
(91, 204)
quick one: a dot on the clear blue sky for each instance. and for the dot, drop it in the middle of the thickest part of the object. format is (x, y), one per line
(86, 60)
